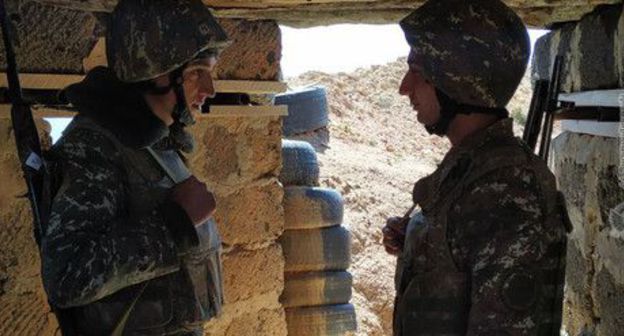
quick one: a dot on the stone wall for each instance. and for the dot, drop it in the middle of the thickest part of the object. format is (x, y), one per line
(593, 50)
(310, 13)
(239, 158)
(23, 304)
(586, 167)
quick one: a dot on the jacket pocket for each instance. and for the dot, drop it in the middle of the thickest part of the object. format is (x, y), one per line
(154, 309)
(152, 312)
(201, 270)
(434, 303)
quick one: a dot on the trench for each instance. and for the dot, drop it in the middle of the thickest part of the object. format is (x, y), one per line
(372, 151)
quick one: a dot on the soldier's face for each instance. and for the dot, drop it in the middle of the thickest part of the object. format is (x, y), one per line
(198, 83)
(420, 92)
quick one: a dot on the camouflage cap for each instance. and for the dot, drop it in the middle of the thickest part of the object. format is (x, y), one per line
(475, 51)
(149, 38)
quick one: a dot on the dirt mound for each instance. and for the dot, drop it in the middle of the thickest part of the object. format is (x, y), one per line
(376, 151)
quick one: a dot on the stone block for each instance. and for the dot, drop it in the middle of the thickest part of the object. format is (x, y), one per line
(252, 214)
(51, 39)
(251, 273)
(259, 315)
(265, 322)
(578, 307)
(593, 56)
(541, 61)
(608, 294)
(232, 152)
(557, 42)
(592, 48)
(23, 304)
(255, 52)
(619, 48)
(586, 170)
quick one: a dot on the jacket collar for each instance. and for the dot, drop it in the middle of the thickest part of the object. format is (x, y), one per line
(116, 106)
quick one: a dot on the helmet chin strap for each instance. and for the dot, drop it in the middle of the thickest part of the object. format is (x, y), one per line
(181, 113)
(178, 138)
(449, 109)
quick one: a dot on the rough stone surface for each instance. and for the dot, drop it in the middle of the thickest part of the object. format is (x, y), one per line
(252, 273)
(591, 48)
(23, 306)
(240, 159)
(593, 57)
(323, 12)
(253, 214)
(69, 35)
(43, 30)
(255, 52)
(265, 322)
(619, 48)
(261, 315)
(233, 152)
(557, 42)
(586, 169)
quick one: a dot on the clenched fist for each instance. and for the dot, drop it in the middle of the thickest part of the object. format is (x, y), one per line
(195, 198)
(394, 234)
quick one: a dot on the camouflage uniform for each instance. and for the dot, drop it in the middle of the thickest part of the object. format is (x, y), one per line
(113, 236)
(118, 255)
(487, 254)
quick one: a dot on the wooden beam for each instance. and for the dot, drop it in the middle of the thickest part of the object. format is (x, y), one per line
(42, 81)
(109, 5)
(55, 81)
(310, 13)
(38, 113)
(244, 86)
(216, 111)
(84, 5)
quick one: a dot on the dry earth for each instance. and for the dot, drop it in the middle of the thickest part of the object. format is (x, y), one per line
(376, 151)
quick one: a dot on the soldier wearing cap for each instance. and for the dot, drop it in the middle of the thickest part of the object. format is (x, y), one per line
(486, 253)
(128, 250)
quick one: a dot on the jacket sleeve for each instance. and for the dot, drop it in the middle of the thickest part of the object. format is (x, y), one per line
(496, 231)
(91, 247)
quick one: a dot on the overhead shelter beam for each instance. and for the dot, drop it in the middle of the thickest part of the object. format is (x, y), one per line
(536, 13)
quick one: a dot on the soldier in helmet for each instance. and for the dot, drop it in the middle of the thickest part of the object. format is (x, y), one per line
(130, 247)
(485, 255)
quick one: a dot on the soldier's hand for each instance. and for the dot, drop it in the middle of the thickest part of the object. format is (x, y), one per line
(394, 235)
(195, 198)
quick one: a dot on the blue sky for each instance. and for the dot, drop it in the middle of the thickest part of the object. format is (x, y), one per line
(332, 49)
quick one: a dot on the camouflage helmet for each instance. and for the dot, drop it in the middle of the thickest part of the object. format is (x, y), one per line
(474, 51)
(149, 38)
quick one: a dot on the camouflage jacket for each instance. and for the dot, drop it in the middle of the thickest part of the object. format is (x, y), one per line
(488, 255)
(113, 233)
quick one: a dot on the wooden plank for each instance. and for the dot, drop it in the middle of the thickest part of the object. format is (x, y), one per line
(605, 129)
(5, 113)
(56, 81)
(243, 86)
(217, 111)
(43, 81)
(607, 98)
